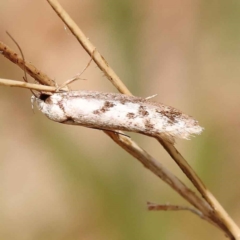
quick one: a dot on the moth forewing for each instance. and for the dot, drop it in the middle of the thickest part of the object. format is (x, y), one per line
(113, 111)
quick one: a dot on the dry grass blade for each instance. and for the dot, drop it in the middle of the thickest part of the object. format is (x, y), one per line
(208, 206)
(30, 69)
(218, 214)
(31, 86)
(132, 148)
(88, 46)
(170, 207)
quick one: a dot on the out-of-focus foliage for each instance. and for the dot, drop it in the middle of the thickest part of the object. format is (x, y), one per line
(65, 182)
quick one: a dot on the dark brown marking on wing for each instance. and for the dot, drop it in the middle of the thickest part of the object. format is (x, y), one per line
(142, 111)
(108, 104)
(106, 107)
(96, 112)
(148, 125)
(123, 101)
(130, 115)
(172, 114)
(68, 118)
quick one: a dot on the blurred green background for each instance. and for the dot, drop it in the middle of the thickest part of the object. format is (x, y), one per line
(66, 182)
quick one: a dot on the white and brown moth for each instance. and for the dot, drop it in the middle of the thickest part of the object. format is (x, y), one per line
(113, 111)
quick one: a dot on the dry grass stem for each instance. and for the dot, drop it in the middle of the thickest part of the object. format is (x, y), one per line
(30, 69)
(170, 207)
(104, 66)
(88, 46)
(158, 169)
(217, 213)
(32, 86)
(206, 207)
(131, 147)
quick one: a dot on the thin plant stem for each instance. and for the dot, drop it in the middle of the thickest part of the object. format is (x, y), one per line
(218, 213)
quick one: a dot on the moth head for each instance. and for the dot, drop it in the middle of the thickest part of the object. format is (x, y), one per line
(44, 96)
(39, 98)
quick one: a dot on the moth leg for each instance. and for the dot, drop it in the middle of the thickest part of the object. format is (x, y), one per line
(77, 77)
(66, 83)
(102, 129)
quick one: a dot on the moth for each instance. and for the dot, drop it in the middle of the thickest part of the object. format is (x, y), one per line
(114, 111)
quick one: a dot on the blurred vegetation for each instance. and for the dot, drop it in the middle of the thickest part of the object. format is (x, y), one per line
(64, 182)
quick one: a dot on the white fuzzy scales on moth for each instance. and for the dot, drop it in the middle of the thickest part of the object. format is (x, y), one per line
(113, 111)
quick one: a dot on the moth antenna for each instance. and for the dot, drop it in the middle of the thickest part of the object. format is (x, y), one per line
(20, 50)
(24, 67)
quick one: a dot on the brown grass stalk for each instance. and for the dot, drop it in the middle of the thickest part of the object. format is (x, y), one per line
(126, 143)
(207, 206)
(218, 213)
